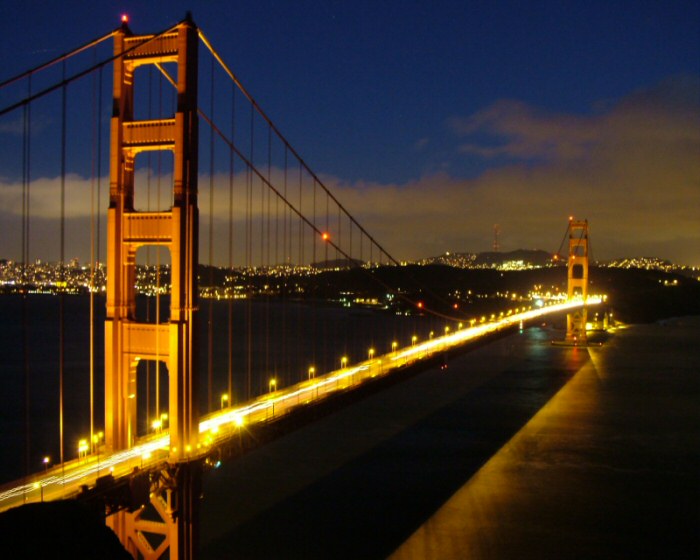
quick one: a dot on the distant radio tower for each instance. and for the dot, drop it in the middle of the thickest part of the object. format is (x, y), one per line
(496, 231)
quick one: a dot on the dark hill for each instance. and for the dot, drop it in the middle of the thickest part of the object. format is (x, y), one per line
(64, 529)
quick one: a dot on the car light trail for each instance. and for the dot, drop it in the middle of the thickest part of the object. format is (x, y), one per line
(66, 480)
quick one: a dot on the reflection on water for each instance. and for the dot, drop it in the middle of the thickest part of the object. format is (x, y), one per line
(608, 468)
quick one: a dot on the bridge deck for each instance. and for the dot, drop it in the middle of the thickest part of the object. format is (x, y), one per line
(65, 481)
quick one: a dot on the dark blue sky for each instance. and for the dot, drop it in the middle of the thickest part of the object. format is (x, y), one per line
(468, 100)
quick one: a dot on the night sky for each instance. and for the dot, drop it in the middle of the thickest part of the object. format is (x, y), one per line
(433, 121)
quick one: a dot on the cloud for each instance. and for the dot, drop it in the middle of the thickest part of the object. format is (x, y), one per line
(631, 168)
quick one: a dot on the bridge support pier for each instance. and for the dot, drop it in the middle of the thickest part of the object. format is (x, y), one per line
(165, 526)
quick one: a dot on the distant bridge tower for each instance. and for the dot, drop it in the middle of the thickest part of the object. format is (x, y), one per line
(577, 285)
(496, 232)
(128, 341)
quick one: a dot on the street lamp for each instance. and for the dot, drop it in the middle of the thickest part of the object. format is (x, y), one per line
(431, 335)
(370, 353)
(393, 346)
(447, 329)
(46, 460)
(273, 387)
(96, 439)
(312, 372)
(224, 399)
(83, 448)
(343, 362)
(413, 340)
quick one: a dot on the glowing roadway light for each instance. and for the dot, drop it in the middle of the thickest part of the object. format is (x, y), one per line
(312, 372)
(343, 362)
(224, 399)
(370, 353)
(157, 447)
(83, 447)
(273, 384)
(393, 346)
(414, 338)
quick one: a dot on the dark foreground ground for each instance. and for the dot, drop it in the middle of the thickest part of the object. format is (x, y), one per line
(517, 450)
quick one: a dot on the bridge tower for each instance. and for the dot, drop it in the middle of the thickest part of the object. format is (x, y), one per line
(128, 341)
(577, 284)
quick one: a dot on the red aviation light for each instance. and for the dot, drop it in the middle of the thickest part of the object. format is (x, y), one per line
(325, 236)
(125, 18)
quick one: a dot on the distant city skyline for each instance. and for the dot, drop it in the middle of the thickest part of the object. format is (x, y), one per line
(433, 122)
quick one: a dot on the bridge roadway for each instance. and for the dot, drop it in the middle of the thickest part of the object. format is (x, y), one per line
(65, 481)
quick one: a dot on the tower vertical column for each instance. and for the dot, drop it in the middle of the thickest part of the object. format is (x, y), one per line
(121, 302)
(184, 419)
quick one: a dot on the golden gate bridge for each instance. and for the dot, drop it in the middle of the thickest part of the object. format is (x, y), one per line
(266, 218)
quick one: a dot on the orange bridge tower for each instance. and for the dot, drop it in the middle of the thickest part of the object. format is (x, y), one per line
(169, 524)
(577, 284)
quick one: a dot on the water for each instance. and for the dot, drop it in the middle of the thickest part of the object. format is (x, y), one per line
(282, 339)
(518, 450)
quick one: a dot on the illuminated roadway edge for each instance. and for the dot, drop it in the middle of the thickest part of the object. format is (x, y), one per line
(64, 481)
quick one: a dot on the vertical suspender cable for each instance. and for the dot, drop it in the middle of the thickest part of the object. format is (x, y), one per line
(62, 341)
(149, 174)
(332, 329)
(26, 168)
(287, 276)
(265, 220)
(99, 160)
(159, 161)
(92, 269)
(210, 334)
(99, 178)
(230, 247)
(248, 251)
(301, 221)
(315, 240)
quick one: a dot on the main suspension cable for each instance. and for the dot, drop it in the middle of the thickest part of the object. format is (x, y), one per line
(65, 81)
(60, 58)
